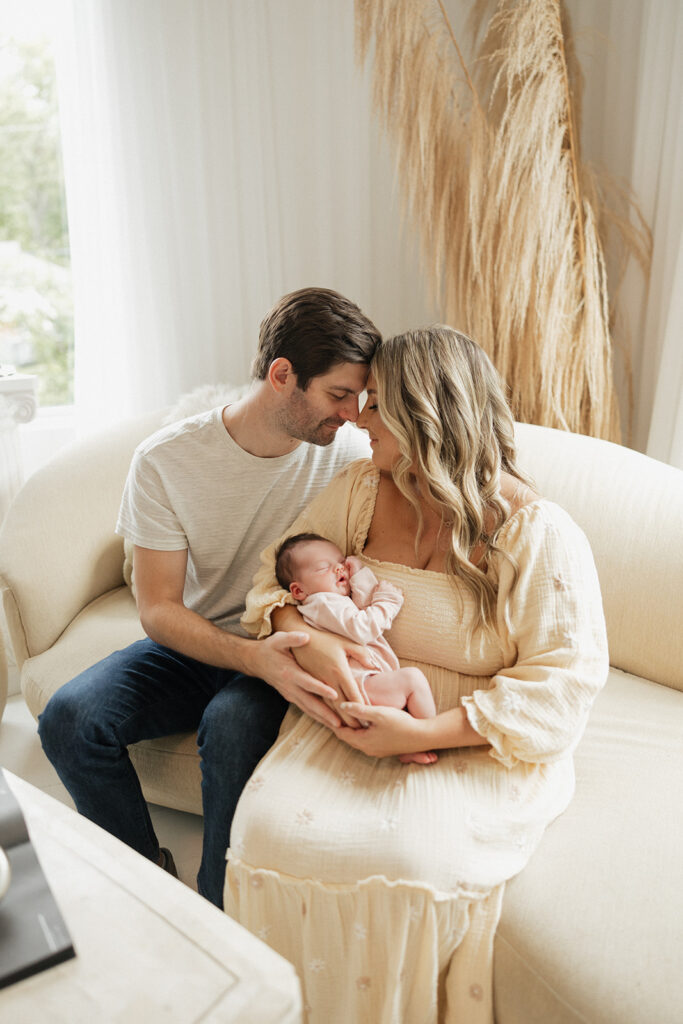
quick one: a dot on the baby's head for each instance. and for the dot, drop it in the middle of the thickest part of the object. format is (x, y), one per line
(308, 564)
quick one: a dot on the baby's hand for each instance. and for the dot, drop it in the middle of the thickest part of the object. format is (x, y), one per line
(386, 589)
(353, 564)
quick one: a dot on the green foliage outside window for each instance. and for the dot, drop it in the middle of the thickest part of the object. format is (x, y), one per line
(36, 299)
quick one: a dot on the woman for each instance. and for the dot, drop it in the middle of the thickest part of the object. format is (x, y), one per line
(382, 882)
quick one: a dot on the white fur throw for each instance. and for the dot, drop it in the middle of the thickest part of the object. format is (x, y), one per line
(200, 399)
(206, 396)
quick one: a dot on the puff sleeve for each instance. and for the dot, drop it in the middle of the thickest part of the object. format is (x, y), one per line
(551, 622)
(341, 513)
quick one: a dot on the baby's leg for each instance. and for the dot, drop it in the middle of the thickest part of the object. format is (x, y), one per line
(404, 688)
(420, 700)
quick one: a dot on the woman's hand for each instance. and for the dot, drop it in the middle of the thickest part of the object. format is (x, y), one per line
(388, 731)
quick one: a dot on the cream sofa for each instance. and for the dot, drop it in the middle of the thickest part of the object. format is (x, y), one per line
(592, 930)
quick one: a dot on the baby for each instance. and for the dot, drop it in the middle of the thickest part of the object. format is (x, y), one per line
(343, 596)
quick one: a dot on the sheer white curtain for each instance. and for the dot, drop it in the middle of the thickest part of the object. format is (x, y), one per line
(631, 51)
(658, 172)
(217, 155)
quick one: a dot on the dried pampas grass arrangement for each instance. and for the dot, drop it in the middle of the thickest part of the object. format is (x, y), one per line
(510, 219)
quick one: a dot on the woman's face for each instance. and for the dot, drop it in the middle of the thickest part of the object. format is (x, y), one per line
(385, 450)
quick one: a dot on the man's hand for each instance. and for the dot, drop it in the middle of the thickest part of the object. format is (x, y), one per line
(160, 578)
(273, 660)
(326, 656)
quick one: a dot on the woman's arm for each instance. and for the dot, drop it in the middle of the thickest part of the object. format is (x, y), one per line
(551, 621)
(553, 627)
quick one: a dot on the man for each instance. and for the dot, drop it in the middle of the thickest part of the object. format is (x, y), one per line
(202, 499)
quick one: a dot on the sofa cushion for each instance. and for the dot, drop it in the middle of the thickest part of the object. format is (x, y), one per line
(168, 767)
(107, 624)
(592, 929)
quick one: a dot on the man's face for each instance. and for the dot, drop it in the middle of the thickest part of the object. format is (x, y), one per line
(316, 414)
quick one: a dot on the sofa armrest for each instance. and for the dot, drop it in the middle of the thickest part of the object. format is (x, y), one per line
(58, 549)
(3, 674)
(631, 509)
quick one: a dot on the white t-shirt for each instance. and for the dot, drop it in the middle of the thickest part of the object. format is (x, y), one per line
(190, 486)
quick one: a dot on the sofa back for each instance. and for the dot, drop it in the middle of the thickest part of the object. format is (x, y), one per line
(58, 549)
(59, 552)
(631, 509)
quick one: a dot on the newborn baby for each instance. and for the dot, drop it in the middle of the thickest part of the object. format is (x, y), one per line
(343, 596)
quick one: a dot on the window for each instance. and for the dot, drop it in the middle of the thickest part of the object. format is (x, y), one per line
(36, 297)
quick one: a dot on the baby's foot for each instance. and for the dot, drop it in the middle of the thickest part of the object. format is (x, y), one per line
(424, 757)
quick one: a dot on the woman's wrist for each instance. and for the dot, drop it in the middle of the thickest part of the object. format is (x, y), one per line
(451, 729)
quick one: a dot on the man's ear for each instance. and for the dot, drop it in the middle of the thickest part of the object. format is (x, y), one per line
(297, 591)
(281, 376)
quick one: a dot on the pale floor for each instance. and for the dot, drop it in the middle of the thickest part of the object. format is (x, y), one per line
(22, 754)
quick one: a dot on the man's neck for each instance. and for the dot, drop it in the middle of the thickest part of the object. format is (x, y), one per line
(252, 425)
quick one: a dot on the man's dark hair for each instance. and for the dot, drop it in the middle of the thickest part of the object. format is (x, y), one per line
(316, 329)
(284, 560)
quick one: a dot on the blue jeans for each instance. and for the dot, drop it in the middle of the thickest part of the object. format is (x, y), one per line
(143, 692)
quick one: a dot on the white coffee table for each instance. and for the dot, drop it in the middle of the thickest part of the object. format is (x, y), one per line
(148, 948)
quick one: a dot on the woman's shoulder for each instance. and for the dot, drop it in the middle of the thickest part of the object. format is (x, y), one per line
(361, 473)
(346, 481)
(347, 501)
(517, 493)
(537, 521)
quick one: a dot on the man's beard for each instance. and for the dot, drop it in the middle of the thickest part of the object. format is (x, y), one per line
(300, 422)
(322, 433)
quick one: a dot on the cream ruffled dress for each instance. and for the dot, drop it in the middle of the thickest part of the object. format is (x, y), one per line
(383, 882)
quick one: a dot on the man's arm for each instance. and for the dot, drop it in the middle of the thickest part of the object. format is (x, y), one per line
(159, 583)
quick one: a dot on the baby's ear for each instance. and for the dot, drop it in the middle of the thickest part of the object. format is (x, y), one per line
(297, 591)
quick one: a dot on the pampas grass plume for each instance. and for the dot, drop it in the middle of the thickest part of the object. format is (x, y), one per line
(509, 217)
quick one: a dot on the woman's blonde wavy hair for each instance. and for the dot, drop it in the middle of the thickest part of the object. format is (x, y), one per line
(443, 400)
